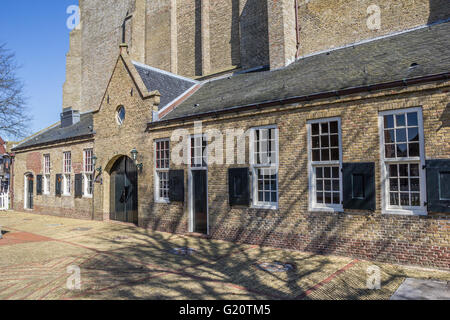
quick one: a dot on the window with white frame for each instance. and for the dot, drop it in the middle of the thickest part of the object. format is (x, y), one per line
(325, 164)
(46, 174)
(67, 170)
(88, 173)
(198, 152)
(264, 162)
(403, 159)
(162, 166)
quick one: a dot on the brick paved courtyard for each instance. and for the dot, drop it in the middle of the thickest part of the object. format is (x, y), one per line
(124, 262)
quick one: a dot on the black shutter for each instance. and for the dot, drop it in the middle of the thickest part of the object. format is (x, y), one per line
(58, 184)
(39, 185)
(238, 186)
(78, 185)
(176, 185)
(359, 186)
(438, 186)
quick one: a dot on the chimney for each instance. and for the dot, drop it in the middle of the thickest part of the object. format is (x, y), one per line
(69, 117)
(282, 33)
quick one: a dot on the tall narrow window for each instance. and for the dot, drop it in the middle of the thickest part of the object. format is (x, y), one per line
(325, 164)
(199, 153)
(264, 161)
(88, 173)
(162, 166)
(67, 170)
(402, 161)
(47, 174)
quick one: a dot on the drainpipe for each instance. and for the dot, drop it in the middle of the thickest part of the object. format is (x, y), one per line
(297, 29)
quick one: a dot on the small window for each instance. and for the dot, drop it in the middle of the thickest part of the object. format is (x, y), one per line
(46, 178)
(120, 115)
(88, 173)
(325, 167)
(67, 169)
(162, 167)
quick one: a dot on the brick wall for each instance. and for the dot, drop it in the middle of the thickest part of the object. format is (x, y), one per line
(417, 240)
(32, 162)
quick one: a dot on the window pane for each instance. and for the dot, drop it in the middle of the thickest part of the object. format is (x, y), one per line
(334, 141)
(336, 185)
(412, 119)
(413, 134)
(327, 172)
(336, 198)
(389, 121)
(393, 170)
(315, 142)
(415, 184)
(402, 150)
(394, 199)
(389, 136)
(390, 151)
(401, 135)
(316, 155)
(324, 142)
(335, 154)
(414, 170)
(319, 172)
(324, 127)
(415, 199)
(315, 129)
(325, 155)
(404, 199)
(327, 185)
(320, 197)
(403, 170)
(400, 120)
(335, 172)
(393, 184)
(414, 150)
(334, 127)
(328, 199)
(404, 184)
(319, 185)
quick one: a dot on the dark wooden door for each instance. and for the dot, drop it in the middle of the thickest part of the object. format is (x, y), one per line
(30, 181)
(124, 196)
(200, 203)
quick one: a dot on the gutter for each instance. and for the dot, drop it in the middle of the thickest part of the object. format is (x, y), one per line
(307, 98)
(91, 135)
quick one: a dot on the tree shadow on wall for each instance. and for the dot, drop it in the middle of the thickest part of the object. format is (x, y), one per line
(439, 11)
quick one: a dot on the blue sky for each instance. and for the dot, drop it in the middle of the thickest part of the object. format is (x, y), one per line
(36, 31)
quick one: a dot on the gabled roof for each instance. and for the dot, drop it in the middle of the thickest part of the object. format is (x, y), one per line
(56, 134)
(169, 85)
(417, 53)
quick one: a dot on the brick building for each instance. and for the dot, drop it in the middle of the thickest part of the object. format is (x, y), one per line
(345, 151)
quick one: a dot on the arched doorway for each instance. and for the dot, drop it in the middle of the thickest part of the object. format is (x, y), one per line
(28, 191)
(124, 191)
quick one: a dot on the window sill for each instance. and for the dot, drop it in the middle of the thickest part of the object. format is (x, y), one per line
(66, 195)
(264, 207)
(326, 209)
(159, 201)
(87, 196)
(402, 212)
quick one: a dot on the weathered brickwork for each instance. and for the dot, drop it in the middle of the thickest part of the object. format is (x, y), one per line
(32, 162)
(326, 24)
(395, 238)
